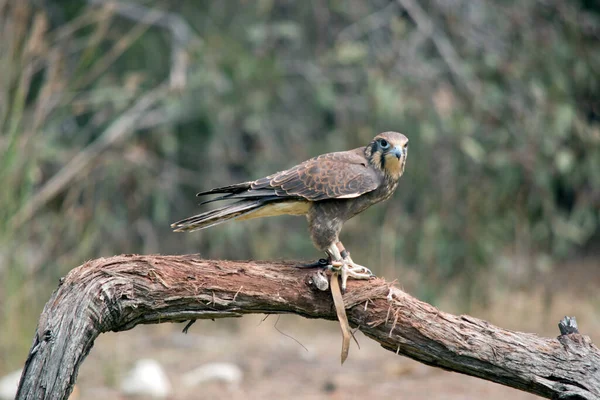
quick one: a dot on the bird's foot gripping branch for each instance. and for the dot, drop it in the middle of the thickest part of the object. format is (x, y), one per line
(118, 293)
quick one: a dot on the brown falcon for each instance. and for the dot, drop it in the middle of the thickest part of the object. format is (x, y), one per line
(328, 189)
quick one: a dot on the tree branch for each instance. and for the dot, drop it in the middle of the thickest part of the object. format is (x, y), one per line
(118, 293)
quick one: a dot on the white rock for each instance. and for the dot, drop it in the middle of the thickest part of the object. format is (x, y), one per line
(9, 385)
(223, 372)
(147, 378)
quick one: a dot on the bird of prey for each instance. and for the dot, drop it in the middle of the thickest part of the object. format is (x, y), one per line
(328, 189)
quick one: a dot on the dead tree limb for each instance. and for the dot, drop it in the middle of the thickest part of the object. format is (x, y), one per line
(118, 293)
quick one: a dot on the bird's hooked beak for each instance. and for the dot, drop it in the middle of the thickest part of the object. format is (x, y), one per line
(398, 152)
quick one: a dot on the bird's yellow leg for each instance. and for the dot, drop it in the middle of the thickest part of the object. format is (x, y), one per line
(342, 262)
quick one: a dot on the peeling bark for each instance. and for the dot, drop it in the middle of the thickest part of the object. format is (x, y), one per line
(118, 293)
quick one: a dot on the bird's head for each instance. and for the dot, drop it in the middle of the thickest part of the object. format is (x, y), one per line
(388, 152)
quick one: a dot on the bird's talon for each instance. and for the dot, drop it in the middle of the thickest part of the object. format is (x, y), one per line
(323, 262)
(349, 269)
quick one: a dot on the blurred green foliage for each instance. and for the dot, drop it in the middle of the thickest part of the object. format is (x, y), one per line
(112, 115)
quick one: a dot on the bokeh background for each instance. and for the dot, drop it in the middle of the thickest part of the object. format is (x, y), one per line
(114, 114)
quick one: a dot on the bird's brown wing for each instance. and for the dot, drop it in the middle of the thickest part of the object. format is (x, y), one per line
(340, 175)
(330, 176)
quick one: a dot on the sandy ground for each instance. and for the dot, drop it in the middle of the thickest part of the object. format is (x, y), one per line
(275, 366)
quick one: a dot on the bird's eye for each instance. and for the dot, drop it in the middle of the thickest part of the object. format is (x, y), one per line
(384, 144)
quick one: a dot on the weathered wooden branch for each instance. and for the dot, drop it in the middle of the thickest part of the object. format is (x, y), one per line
(118, 293)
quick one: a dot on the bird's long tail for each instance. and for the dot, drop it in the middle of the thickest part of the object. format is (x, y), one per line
(217, 216)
